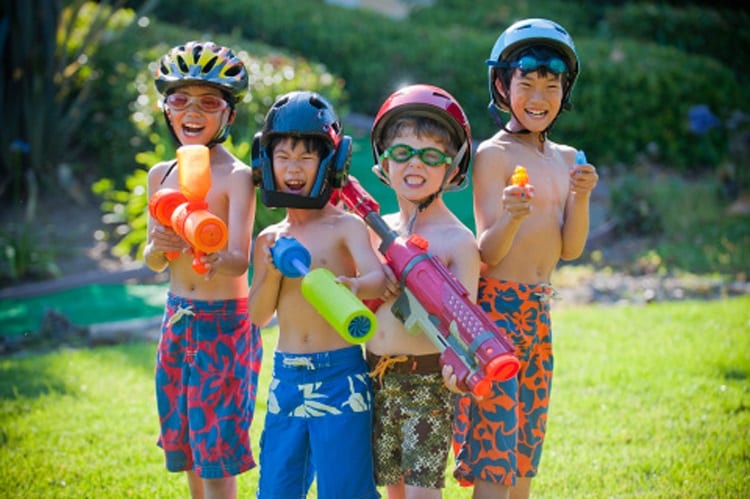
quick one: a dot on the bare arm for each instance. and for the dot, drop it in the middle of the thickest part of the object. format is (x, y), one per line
(266, 283)
(497, 217)
(371, 280)
(465, 264)
(159, 239)
(234, 259)
(583, 179)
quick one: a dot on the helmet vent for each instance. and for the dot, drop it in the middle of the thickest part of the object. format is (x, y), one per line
(233, 71)
(183, 65)
(197, 50)
(210, 65)
(317, 102)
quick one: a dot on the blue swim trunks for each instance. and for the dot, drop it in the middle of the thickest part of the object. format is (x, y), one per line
(207, 366)
(318, 426)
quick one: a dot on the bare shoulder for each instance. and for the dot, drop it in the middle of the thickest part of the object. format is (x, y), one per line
(493, 156)
(456, 235)
(348, 222)
(566, 152)
(160, 168)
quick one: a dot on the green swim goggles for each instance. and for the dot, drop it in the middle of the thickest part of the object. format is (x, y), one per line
(530, 63)
(401, 153)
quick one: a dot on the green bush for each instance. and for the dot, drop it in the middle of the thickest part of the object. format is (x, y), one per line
(721, 34)
(23, 257)
(47, 49)
(632, 96)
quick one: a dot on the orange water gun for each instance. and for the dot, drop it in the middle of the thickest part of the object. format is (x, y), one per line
(520, 178)
(186, 210)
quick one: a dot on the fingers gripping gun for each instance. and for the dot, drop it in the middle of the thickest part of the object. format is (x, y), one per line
(332, 300)
(186, 210)
(434, 301)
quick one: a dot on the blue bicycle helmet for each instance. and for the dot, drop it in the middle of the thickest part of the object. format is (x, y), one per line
(527, 33)
(302, 114)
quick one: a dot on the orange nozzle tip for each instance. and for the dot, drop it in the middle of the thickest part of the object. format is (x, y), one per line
(502, 367)
(520, 177)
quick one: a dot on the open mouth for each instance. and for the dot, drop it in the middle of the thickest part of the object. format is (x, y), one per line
(191, 130)
(414, 180)
(294, 186)
(536, 114)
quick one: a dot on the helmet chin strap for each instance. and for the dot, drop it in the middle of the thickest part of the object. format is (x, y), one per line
(422, 205)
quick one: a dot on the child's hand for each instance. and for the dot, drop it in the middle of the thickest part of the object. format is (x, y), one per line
(583, 179)
(270, 242)
(165, 239)
(352, 283)
(211, 262)
(516, 200)
(392, 286)
(450, 380)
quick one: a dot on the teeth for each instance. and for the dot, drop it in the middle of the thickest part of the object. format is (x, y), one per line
(413, 180)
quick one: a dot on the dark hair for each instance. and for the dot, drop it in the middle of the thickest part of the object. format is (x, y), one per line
(312, 143)
(540, 52)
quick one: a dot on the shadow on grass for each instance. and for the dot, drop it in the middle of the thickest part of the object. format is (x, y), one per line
(40, 374)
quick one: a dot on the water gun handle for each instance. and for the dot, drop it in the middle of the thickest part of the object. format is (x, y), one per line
(581, 157)
(186, 211)
(332, 300)
(161, 206)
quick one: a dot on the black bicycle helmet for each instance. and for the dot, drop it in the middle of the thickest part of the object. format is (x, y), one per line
(302, 114)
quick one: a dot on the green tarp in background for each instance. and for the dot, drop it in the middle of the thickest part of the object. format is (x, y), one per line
(83, 306)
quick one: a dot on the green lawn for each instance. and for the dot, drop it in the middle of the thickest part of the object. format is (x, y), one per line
(648, 401)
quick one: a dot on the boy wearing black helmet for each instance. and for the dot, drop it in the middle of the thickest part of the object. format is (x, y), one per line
(523, 230)
(209, 352)
(319, 419)
(421, 143)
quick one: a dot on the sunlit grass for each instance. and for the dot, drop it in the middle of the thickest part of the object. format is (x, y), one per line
(647, 401)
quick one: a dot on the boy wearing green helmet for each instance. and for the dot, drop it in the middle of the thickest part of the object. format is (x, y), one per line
(209, 352)
(524, 228)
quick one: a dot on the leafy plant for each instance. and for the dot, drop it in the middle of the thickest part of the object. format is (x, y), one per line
(22, 257)
(47, 47)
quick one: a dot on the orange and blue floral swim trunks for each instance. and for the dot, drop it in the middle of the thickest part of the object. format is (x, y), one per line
(500, 437)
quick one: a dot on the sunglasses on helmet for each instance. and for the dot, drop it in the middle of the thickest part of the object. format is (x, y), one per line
(530, 63)
(206, 103)
(402, 153)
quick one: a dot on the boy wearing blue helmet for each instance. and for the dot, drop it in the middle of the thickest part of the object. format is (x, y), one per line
(523, 229)
(319, 419)
(209, 352)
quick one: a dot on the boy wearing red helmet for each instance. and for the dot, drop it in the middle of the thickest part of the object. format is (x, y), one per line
(209, 353)
(523, 231)
(421, 143)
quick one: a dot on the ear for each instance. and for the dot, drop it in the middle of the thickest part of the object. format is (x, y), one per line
(500, 88)
(232, 116)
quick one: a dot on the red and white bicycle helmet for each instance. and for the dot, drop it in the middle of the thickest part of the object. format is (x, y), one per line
(432, 102)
